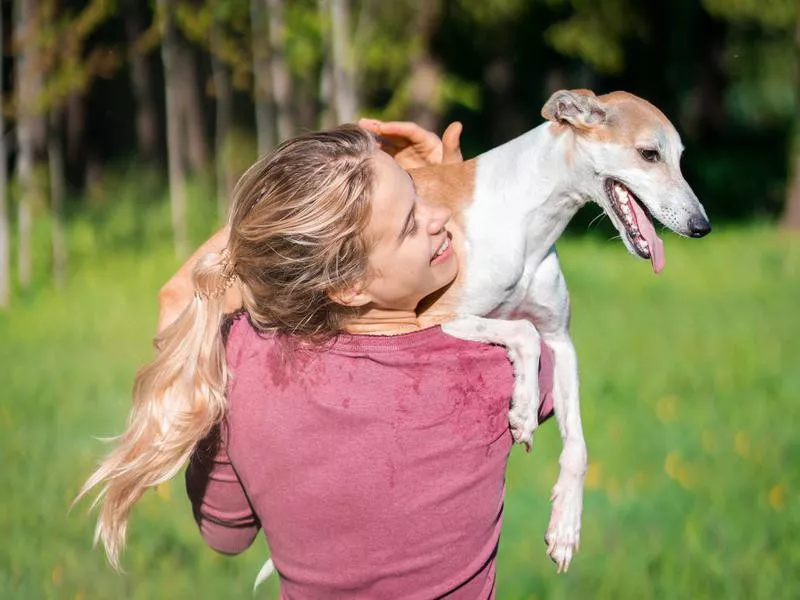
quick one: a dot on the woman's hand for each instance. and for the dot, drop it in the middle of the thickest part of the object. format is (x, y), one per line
(412, 146)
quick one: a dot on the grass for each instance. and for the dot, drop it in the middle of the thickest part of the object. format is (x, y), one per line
(690, 392)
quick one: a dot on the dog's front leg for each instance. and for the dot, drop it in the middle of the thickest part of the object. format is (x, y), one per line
(548, 307)
(522, 344)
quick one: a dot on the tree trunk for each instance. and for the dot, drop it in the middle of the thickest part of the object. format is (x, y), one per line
(5, 230)
(279, 70)
(25, 90)
(57, 192)
(177, 184)
(426, 73)
(75, 127)
(224, 117)
(141, 84)
(344, 72)
(791, 213)
(191, 107)
(262, 88)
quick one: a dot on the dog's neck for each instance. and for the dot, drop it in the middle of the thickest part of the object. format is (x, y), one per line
(504, 184)
(533, 179)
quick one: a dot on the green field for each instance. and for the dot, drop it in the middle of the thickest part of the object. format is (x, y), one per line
(691, 406)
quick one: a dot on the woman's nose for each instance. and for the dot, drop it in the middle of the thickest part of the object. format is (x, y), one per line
(439, 216)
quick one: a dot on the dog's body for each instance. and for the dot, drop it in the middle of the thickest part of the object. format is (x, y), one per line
(511, 204)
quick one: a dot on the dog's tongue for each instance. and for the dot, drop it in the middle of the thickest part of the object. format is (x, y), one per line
(649, 233)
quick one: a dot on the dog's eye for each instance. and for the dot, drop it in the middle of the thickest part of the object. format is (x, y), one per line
(650, 155)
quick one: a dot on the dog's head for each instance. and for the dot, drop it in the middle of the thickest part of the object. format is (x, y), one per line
(627, 157)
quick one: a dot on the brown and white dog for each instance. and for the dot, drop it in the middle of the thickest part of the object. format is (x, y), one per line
(510, 205)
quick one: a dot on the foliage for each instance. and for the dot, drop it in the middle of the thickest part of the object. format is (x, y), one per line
(762, 66)
(60, 39)
(594, 32)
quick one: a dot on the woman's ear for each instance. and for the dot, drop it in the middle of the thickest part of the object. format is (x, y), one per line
(352, 296)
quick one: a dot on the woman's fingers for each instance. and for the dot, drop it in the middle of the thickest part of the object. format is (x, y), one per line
(451, 143)
(413, 146)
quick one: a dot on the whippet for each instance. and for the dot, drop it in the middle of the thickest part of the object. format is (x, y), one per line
(509, 206)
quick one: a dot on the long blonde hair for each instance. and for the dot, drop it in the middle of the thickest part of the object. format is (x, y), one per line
(297, 225)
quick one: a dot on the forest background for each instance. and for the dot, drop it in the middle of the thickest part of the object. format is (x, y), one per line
(124, 125)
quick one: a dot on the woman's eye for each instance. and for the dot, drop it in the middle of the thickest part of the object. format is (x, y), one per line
(650, 155)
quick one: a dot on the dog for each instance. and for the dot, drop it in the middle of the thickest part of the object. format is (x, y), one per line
(510, 205)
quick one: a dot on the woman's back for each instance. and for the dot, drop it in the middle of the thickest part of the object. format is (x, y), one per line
(376, 466)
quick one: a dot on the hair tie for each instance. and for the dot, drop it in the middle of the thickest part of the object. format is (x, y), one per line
(230, 276)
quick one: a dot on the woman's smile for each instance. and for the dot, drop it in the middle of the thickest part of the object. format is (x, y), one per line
(445, 250)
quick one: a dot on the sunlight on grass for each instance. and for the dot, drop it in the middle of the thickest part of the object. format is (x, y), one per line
(689, 400)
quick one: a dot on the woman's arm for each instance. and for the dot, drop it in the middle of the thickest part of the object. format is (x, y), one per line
(221, 509)
(177, 292)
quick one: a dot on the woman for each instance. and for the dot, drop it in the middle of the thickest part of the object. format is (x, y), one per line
(371, 451)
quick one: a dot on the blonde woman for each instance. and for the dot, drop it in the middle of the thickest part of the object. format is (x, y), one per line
(370, 450)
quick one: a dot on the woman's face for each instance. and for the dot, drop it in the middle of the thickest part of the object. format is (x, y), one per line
(411, 254)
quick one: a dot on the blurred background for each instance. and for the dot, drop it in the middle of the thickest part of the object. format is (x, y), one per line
(125, 123)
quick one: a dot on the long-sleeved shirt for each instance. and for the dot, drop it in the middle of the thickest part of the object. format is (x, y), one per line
(375, 464)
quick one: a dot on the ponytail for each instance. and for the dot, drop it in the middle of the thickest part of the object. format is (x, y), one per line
(177, 399)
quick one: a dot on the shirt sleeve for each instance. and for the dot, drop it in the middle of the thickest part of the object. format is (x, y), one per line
(220, 505)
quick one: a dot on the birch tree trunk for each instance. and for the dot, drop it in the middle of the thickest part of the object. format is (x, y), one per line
(224, 117)
(344, 72)
(426, 73)
(279, 70)
(55, 155)
(25, 90)
(177, 184)
(191, 106)
(262, 88)
(791, 213)
(141, 84)
(5, 230)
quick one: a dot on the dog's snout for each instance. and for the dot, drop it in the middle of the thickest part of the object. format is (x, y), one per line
(698, 226)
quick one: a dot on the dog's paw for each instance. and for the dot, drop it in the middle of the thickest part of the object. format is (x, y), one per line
(564, 531)
(523, 417)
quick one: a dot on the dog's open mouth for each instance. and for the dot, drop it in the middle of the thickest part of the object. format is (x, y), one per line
(637, 223)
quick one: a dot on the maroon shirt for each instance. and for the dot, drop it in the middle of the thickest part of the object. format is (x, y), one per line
(376, 466)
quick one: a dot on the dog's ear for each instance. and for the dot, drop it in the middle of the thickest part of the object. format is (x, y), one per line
(579, 108)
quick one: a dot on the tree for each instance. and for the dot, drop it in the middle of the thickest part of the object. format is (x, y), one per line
(281, 78)
(190, 104)
(141, 81)
(26, 89)
(343, 67)
(766, 83)
(262, 78)
(5, 230)
(177, 183)
(223, 92)
(66, 71)
(791, 214)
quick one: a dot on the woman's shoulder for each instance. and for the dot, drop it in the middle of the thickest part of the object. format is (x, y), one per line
(245, 342)
(243, 339)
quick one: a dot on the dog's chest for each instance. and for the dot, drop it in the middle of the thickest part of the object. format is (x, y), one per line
(496, 275)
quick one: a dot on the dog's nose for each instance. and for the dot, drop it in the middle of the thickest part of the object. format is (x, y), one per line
(698, 226)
